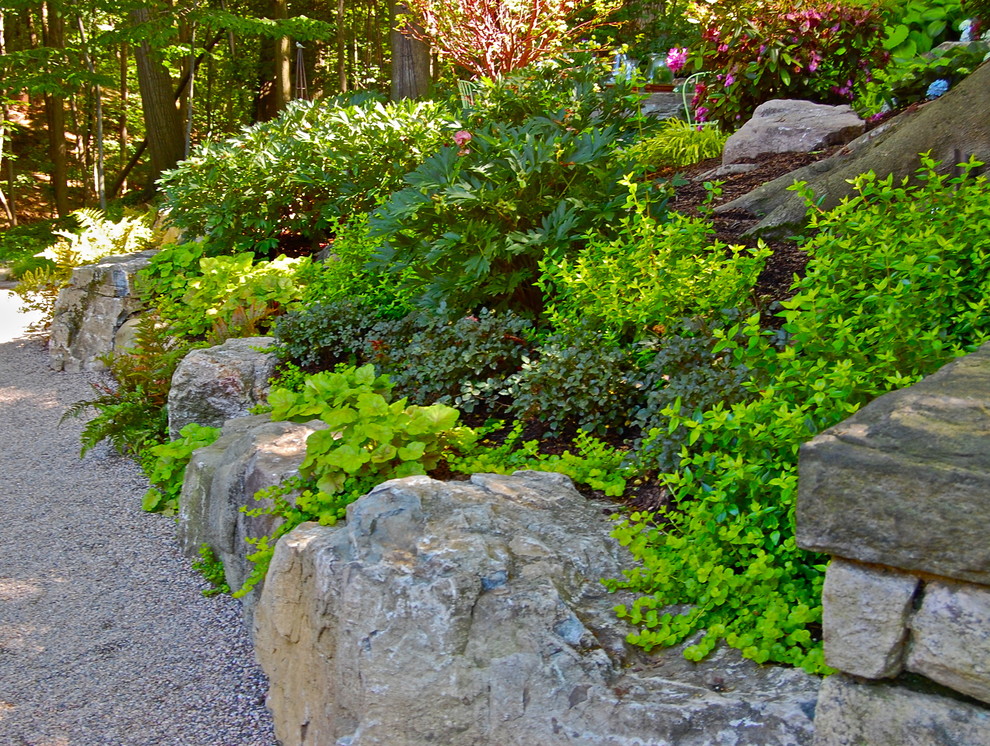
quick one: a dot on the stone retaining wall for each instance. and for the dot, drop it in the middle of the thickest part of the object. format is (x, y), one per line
(898, 494)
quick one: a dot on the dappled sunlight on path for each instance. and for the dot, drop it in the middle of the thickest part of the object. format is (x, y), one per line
(104, 636)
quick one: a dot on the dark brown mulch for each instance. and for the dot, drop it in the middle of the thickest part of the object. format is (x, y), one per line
(787, 260)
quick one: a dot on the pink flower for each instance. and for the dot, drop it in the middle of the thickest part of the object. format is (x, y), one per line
(462, 138)
(700, 113)
(676, 59)
(729, 80)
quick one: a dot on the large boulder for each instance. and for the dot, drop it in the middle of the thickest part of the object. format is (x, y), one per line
(951, 128)
(472, 613)
(905, 481)
(792, 126)
(252, 454)
(215, 384)
(99, 299)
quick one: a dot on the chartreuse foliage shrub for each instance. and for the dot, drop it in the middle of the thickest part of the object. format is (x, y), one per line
(651, 274)
(295, 174)
(591, 462)
(165, 466)
(473, 225)
(815, 49)
(678, 143)
(898, 283)
(369, 438)
(196, 294)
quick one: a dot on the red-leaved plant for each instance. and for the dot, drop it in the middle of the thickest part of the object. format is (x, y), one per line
(489, 38)
(779, 49)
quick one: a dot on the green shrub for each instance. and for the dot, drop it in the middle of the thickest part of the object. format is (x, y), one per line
(211, 568)
(897, 285)
(679, 144)
(463, 362)
(906, 82)
(819, 50)
(683, 370)
(591, 462)
(322, 335)
(577, 380)
(195, 293)
(473, 226)
(165, 466)
(294, 175)
(914, 27)
(575, 91)
(132, 413)
(651, 275)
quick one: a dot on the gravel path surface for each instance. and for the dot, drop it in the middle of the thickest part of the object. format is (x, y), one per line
(105, 638)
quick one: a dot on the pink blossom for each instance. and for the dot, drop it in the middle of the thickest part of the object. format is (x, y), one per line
(462, 138)
(729, 80)
(700, 113)
(676, 59)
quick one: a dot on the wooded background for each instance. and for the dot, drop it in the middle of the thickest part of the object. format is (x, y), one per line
(98, 97)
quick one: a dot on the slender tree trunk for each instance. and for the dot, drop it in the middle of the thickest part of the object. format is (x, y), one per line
(54, 37)
(410, 62)
(341, 48)
(7, 208)
(163, 126)
(100, 184)
(283, 60)
(124, 103)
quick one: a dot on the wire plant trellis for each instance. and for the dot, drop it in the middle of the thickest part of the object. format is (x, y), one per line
(302, 91)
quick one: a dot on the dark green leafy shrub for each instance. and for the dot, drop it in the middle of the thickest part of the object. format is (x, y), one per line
(818, 50)
(325, 334)
(579, 380)
(686, 374)
(211, 568)
(463, 362)
(653, 274)
(295, 174)
(473, 225)
(897, 285)
(165, 466)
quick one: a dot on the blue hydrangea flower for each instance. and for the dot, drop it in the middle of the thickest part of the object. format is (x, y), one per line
(937, 88)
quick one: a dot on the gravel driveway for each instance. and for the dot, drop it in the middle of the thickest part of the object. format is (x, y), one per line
(105, 638)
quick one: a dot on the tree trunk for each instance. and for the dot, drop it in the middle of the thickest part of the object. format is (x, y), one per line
(952, 128)
(410, 62)
(341, 48)
(283, 60)
(163, 126)
(54, 37)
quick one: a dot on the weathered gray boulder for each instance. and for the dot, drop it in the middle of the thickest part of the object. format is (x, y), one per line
(858, 713)
(905, 482)
(864, 619)
(950, 638)
(99, 299)
(664, 105)
(251, 454)
(214, 384)
(792, 126)
(472, 613)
